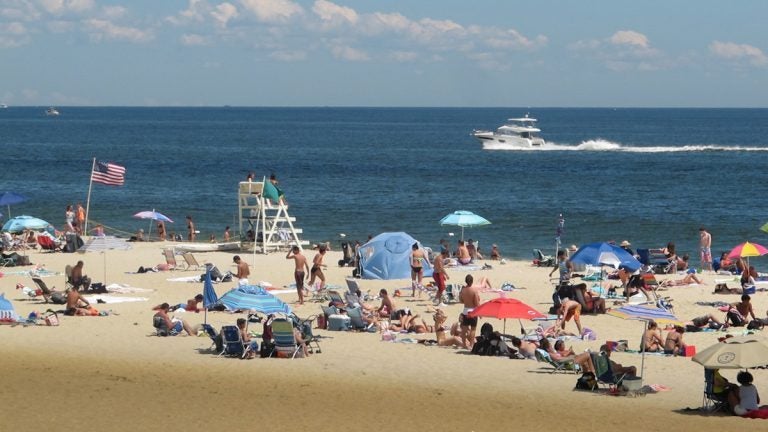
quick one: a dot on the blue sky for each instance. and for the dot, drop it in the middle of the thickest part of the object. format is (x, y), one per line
(687, 53)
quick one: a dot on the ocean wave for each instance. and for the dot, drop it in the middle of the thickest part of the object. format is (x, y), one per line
(598, 145)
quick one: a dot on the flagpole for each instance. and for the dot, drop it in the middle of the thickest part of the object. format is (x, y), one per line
(88, 202)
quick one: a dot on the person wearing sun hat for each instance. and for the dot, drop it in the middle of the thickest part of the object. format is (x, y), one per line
(625, 244)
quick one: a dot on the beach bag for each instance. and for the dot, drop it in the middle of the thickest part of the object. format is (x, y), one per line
(755, 325)
(58, 298)
(586, 381)
(51, 318)
(267, 350)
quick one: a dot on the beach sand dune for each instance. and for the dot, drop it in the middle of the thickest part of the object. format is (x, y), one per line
(110, 373)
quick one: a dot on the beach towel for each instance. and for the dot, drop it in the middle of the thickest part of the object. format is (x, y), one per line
(125, 289)
(185, 279)
(113, 299)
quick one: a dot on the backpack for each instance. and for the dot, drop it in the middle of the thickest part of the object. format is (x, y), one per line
(586, 381)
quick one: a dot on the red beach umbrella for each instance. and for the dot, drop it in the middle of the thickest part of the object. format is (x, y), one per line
(503, 308)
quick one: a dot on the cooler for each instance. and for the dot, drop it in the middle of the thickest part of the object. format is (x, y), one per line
(338, 322)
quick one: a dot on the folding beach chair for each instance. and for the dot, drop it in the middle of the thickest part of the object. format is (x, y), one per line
(335, 298)
(356, 316)
(542, 260)
(233, 343)
(565, 366)
(170, 259)
(216, 340)
(285, 340)
(46, 292)
(191, 261)
(712, 402)
(604, 373)
(305, 327)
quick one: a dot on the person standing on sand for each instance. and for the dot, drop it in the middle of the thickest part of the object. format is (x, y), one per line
(569, 308)
(417, 271)
(69, 217)
(190, 229)
(299, 274)
(440, 275)
(705, 247)
(227, 235)
(161, 230)
(80, 218)
(470, 297)
(317, 270)
(242, 271)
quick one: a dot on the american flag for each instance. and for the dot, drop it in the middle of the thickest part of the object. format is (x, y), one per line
(108, 173)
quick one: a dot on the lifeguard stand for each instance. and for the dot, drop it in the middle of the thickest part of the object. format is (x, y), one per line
(267, 217)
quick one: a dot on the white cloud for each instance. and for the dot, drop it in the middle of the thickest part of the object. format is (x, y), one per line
(288, 56)
(404, 56)
(13, 28)
(331, 13)
(273, 11)
(223, 13)
(59, 26)
(100, 29)
(195, 12)
(13, 35)
(63, 6)
(630, 37)
(114, 12)
(193, 40)
(21, 10)
(348, 53)
(512, 39)
(734, 51)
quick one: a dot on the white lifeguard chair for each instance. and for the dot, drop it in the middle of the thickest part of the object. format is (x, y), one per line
(269, 223)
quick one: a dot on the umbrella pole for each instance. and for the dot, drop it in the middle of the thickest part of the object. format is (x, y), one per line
(522, 329)
(642, 352)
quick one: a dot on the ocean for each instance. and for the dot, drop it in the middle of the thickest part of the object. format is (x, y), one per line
(649, 176)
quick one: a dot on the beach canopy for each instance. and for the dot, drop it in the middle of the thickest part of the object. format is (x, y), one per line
(734, 353)
(22, 223)
(747, 249)
(598, 254)
(254, 297)
(7, 313)
(388, 256)
(464, 219)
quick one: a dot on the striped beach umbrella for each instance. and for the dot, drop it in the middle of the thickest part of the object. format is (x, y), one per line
(645, 313)
(747, 249)
(254, 297)
(102, 245)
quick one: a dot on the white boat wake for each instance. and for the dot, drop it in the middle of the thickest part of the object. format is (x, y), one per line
(598, 145)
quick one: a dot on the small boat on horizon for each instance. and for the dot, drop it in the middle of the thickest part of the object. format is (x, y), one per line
(51, 112)
(516, 133)
(3, 106)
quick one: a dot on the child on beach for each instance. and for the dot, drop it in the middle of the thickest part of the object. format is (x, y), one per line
(748, 398)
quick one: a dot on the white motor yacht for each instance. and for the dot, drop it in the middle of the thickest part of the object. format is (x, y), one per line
(516, 133)
(51, 112)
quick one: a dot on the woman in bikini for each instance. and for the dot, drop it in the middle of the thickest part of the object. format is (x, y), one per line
(417, 271)
(652, 339)
(440, 329)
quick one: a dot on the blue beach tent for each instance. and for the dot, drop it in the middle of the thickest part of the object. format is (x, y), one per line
(388, 256)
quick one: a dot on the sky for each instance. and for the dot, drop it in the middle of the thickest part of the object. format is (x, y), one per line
(478, 53)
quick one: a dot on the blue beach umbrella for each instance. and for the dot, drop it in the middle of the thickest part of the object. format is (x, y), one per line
(598, 254)
(11, 198)
(209, 294)
(7, 313)
(254, 297)
(21, 223)
(464, 219)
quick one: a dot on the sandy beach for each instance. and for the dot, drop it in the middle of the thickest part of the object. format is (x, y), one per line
(112, 373)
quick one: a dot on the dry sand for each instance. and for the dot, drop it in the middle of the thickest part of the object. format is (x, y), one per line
(110, 373)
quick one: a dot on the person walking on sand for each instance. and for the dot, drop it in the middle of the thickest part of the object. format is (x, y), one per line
(470, 298)
(69, 217)
(317, 268)
(705, 247)
(417, 271)
(300, 264)
(440, 275)
(242, 271)
(190, 229)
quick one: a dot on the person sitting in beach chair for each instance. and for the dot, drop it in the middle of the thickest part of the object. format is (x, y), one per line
(525, 348)
(166, 326)
(583, 359)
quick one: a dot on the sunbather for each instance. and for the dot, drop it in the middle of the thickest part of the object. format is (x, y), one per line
(452, 340)
(77, 304)
(653, 340)
(688, 279)
(584, 360)
(618, 368)
(525, 348)
(252, 344)
(704, 321)
(301, 342)
(463, 254)
(172, 326)
(674, 342)
(190, 306)
(78, 279)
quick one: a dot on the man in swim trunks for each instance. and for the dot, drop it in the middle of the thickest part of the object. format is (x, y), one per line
(569, 309)
(440, 275)
(463, 254)
(190, 229)
(317, 268)
(242, 270)
(470, 297)
(76, 304)
(417, 271)
(705, 244)
(300, 262)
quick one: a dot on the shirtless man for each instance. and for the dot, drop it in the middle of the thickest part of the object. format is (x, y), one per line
(317, 268)
(77, 277)
(569, 308)
(242, 271)
(463, 254)
(470, 297)
(190, 229)
(417, 271)
(744, 307)
(387, 306)
(76, 304)
(705, 247)
(524, 348)
(440, 275)
(299, 274)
